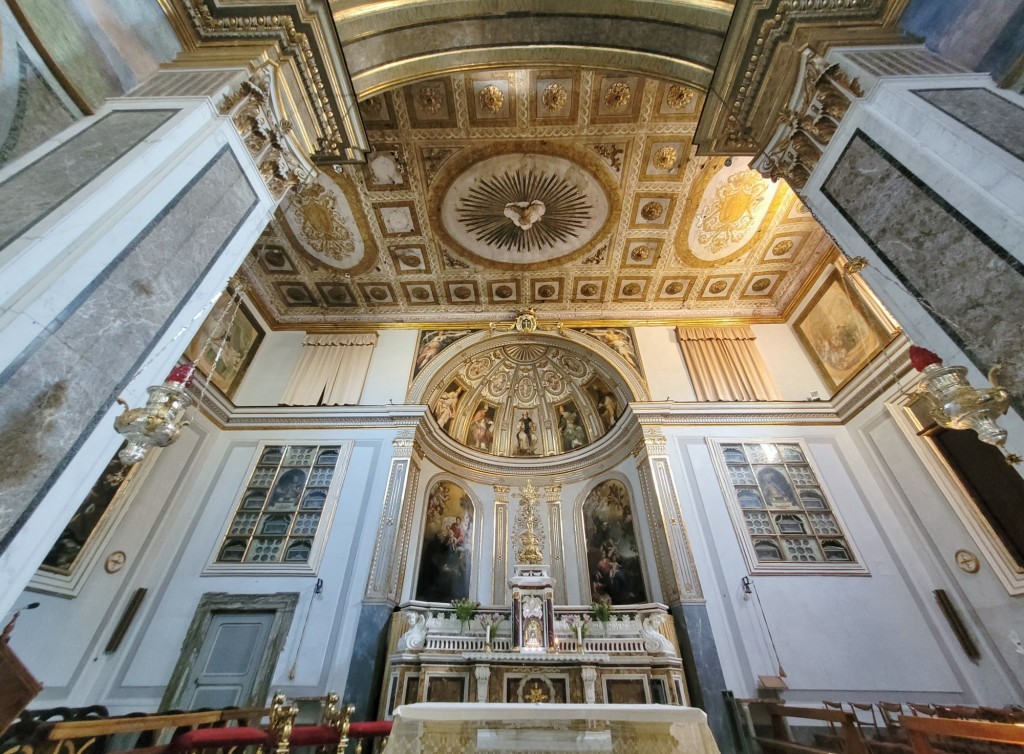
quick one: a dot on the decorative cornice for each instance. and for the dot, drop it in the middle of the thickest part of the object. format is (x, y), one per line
(299, 31)
(761, 59)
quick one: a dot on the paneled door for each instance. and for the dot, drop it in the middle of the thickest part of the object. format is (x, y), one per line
(224, 671)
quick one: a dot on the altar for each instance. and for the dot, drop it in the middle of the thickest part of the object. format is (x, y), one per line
(533, 651)
(540, 728)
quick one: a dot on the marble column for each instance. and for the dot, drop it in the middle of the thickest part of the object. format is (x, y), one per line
(923, 177)
(384, 583)
(114, 238)
(680, 584)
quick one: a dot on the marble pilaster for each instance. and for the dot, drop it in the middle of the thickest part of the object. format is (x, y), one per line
(59, 388)
(387, 569)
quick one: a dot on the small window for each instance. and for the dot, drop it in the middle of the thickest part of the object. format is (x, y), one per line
(282, 506)
(767, 550)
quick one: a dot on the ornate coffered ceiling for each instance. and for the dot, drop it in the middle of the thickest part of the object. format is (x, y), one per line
(574, 191)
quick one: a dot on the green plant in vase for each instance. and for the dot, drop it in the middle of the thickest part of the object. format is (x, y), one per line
(602, 611)
(465, 609)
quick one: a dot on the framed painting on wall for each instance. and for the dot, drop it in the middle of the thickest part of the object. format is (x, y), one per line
(240, 347)
(839, 331)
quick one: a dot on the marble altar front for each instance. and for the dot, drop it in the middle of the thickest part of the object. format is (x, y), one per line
(541, 728)
(631, 659)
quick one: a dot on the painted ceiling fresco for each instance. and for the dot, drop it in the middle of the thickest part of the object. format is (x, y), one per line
(577, 192)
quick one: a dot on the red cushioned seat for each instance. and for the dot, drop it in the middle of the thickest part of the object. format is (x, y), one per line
(219, 738)
(313, 735)
(372, 729)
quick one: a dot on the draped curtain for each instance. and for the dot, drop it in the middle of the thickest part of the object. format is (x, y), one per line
(331, 370)
(725, 365)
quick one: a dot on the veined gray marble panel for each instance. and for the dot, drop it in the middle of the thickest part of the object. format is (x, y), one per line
(31, 114)
(702, 666)
(366, 669)
(39, 188)
(56, 392)
(984, 112)
(973, 286)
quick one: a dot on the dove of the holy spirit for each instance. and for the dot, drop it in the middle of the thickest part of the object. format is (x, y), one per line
(525, 214)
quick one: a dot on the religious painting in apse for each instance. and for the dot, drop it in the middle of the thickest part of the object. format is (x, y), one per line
(613, 558)
(526, 438)
(481, 427)
(571, 433)
(608, 407)
(446, 555)
(445, 405)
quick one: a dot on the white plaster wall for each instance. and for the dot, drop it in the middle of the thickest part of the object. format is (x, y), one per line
(862, 638)
(787, 362)
(171, 533)
(664, 365)
(390, 367)
(271, 369)
(921, 520)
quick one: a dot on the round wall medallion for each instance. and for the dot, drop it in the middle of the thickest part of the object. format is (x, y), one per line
(554, 98)
(761, 284)
(640, 253)
(678, 97)
(652, 211)
(665, 158)
(503, 291)
(967, 561)
(782, 247)
(546, 291)
(588, 289)
(430, 99)
(674, 288)
(718, 286)
(115, 561)
(462, 292)
(379, 294)
(491, 98)
(631, 289)
(421, 294)
(617, 95)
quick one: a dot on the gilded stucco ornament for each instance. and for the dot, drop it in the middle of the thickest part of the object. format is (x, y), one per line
(822, 97)
(491, 98)
(267, 137)
(554, 97)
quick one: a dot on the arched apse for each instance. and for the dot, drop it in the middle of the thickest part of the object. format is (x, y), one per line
(388, 44)
(450, 529)
(527, 396)
(609, 545)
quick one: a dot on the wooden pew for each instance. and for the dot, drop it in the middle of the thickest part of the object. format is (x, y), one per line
(782, 739)
(918, 729)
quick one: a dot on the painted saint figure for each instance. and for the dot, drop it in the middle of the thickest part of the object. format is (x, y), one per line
(526, 439)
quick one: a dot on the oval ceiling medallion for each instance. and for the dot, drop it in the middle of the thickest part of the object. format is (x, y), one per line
(522, 204)
(723, 223)
(325, 221)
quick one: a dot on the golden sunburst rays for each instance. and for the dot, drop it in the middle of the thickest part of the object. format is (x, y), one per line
(524, 211)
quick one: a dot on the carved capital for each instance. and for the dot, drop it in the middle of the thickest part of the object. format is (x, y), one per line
(821, 98)
(297, 34)
(267, 137)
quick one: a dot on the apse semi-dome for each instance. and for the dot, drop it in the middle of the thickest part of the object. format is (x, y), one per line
(526, 399)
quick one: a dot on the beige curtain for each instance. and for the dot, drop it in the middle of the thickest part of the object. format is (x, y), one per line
(331, 370)
(725, 365)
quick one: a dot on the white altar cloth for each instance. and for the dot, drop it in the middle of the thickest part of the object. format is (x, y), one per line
(436, 728)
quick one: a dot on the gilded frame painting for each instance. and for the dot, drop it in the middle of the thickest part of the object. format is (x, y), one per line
(239, 349)
(839, 332)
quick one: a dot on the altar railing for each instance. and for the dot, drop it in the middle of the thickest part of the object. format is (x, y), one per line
(645, 629)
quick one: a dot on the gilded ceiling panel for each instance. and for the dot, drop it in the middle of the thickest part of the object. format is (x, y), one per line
(572, 190)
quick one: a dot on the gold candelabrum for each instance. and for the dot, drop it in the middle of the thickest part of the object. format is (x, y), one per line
(160, 421)
(528, 552)
(955, 403)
